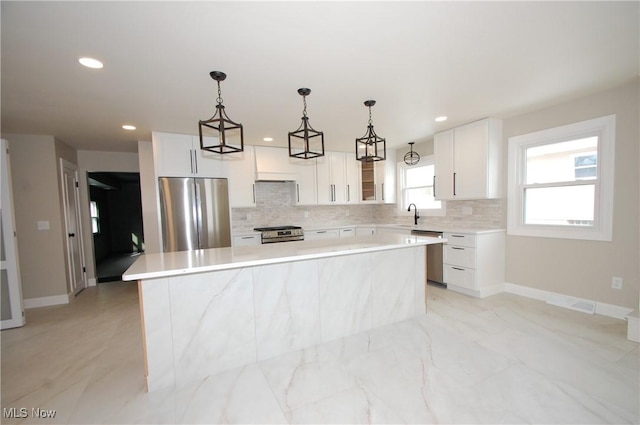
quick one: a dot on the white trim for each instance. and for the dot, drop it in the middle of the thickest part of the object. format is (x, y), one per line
(477, 293)
(603, 309)
(92, 281)
(401, 210)
(602, 230)
(46, 301)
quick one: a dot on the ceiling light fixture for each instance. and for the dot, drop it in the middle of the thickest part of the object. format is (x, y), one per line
(219, 134)
(129, 127)
(305, 142)
(441, 119)
(268, 139)
(371, 147)
(91, 63)
(411, 158)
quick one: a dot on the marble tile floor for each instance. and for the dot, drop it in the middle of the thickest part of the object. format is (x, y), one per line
(501, 360)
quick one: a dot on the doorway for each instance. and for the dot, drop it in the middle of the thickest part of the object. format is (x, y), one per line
(116, 222)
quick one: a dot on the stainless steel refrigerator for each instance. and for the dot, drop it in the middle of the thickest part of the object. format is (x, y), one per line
(194, 213)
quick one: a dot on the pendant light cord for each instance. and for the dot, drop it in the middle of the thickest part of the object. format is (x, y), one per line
(219, 99)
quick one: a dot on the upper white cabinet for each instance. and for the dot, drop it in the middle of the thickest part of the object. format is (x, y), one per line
(332, 179)
(352, 177)
(179, 155)
(241, 167)
(305, 176)
(378, 180)
(468, 161)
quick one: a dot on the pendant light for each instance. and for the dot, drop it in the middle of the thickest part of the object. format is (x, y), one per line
(371, 147)
(411, 158)
(219, 134)
(305, 142)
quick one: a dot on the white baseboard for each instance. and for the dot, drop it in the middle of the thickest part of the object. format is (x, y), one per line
(477, 293)
(602, 309)
(92, 281)
(46, 301)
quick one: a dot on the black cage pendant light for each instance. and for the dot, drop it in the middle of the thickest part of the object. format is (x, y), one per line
(411, 157)
(371, 147)
(306, 142)
(219, 134)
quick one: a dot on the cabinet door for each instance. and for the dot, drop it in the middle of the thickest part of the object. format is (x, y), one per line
(207, 164)
(331, 178)
(173, 155)
(338, 177)
(443, 153)
(385, 172)
(242, 171)
(325, 188)
(470, 160)
(352, 175)
(365, 231)
(305, 181)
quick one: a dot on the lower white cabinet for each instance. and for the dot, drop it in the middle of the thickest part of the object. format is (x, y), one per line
(365, 231)
(348, 232)
(247, 240)
(474, 263)
(312, 235)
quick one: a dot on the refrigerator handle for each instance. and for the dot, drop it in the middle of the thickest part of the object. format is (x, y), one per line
(198, 213)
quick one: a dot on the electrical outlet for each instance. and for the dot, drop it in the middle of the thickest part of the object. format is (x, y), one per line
(616, 282)
(249, 216)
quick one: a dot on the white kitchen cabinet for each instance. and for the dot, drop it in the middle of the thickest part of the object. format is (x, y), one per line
(306, 186)
(272, 163)
(365, 231)
(352, 177)
(179, 155)
(312, 235)
(474, 263)
(332, 180)
(378, 180)
(247, 240)
(392, 230)
(347, 232)
(386, 178)
(242, 175)
(468, 161)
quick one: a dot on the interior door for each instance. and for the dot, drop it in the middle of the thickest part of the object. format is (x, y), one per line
(11, 308)
(75, 253)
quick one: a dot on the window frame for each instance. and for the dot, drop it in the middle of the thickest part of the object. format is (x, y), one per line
(402, 208)
(95, 218)
(604, 128)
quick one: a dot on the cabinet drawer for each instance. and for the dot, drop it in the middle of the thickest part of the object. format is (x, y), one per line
(460, 239)
(247, 240)
(460, 256)
(349, 232)
(459, 276)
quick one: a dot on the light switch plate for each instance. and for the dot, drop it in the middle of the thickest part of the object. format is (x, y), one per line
(43, 225)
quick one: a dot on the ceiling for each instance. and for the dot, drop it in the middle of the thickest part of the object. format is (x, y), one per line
(418, 60)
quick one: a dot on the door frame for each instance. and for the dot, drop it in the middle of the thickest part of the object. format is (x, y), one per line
(10, 263)
(73, 168)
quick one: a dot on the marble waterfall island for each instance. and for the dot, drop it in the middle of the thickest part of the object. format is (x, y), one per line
(211, 310)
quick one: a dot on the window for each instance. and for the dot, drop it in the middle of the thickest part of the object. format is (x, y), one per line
(561, 181)
(95, 218)
(416, 186)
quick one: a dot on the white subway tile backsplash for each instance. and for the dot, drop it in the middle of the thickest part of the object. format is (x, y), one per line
(275, 205)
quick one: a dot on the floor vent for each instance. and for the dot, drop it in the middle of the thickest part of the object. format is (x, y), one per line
(572, 303)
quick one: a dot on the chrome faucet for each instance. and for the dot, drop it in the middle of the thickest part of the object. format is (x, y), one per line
(415, 215)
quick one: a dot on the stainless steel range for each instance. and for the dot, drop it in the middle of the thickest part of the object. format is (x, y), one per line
(281, 234)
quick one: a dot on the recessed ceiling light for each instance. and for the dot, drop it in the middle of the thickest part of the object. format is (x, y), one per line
(440, 119)
(129, 127)
(268, 139)
(91, 63)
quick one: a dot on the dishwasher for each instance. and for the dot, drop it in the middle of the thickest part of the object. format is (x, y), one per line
(434, 256)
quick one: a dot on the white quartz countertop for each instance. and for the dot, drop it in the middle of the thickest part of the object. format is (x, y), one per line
(150, 266)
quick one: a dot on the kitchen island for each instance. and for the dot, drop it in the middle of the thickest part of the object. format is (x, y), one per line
(211, 310)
